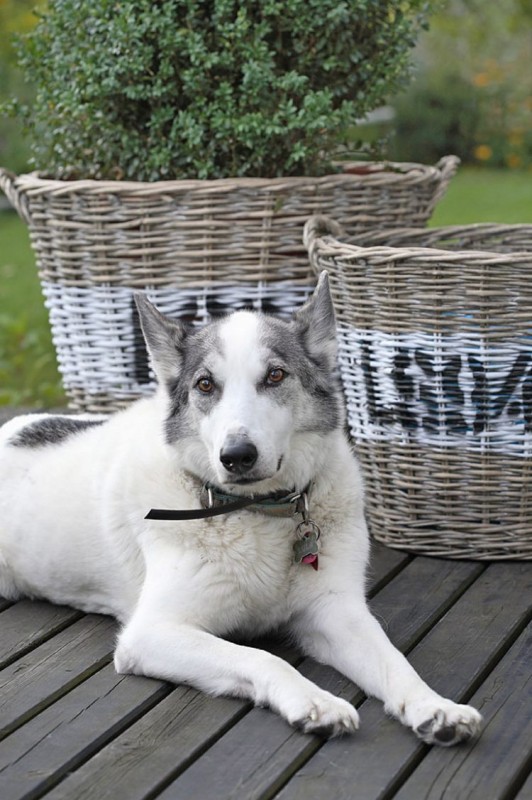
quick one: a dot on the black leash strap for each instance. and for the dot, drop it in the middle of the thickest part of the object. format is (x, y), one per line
(199, 513)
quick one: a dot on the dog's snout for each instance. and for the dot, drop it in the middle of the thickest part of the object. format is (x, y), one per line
(238, 455)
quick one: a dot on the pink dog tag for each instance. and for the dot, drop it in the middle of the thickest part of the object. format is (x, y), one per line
(306, 548)
(311, 559)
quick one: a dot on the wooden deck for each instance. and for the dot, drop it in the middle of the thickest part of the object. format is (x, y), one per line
(71, 728)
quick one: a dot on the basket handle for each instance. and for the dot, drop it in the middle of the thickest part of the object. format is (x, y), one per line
(319, 225)
(447, 166)
(14, 195)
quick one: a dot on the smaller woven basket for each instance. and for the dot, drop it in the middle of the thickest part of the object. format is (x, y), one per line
(197, 248)
(435, 342)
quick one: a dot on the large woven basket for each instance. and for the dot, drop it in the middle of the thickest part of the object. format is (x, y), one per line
(197, 248)
(435, 336)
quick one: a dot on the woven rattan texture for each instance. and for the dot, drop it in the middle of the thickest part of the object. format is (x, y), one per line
(435, 337)
(201, 247)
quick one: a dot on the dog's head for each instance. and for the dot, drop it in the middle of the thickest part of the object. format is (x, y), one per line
(250, 397)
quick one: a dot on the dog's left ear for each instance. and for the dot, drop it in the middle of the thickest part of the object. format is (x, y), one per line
(316, 323)
(164, 339)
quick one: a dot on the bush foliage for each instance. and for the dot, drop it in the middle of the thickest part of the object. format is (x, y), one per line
(16, 16)
(151, 89)
(472, 96)
(439, 114)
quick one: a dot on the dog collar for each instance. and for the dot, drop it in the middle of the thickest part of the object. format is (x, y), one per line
(278, 504)
(215, 502)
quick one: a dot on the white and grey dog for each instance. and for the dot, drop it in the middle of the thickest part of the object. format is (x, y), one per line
(248, 406)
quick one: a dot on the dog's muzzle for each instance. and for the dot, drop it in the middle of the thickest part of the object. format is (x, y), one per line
(238, 455)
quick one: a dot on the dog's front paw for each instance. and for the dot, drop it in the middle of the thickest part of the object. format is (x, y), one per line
(448, 723)
(326, 715)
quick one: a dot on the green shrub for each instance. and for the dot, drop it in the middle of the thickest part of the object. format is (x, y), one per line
(439, 114)
(15, 16)
(473, 96)
(482, 120)
(504, 133)
(150, 89)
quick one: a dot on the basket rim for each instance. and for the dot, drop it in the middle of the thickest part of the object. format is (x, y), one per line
(320, 238)
(374, 173)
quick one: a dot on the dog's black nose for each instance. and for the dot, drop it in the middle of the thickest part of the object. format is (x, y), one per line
(238, 455)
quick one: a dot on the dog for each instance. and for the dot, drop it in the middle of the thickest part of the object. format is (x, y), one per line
(248, 410)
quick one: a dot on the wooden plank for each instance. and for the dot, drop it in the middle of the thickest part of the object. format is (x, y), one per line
(454, 657)
(175, 732)
(135, 764)
(525, 792)
(36, 755)
(419, 595)
(253, 759)
(384, 565)
(27, 624)
(34, 681)
(503, 752)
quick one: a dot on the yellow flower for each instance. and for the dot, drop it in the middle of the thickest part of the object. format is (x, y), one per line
(483, 152)
(514, 161)
(481, 79)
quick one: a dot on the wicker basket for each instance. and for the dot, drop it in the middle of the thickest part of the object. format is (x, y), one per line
(196, 247)
(435, 335)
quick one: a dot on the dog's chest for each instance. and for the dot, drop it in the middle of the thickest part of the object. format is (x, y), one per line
(247, 564)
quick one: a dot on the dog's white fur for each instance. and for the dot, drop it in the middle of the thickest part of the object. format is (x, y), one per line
(72, 530)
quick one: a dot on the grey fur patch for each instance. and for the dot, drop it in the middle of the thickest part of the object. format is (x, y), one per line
(52, 430)
(321, 384)
(199, 345)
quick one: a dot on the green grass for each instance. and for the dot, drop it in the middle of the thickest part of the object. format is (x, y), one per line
(28, 373)
(486, 195)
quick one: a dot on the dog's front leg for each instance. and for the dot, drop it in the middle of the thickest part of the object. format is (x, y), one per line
(339, 630)
(183, 653)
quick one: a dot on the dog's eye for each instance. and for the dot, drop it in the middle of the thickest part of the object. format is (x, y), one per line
(276, 375)
(205, 385)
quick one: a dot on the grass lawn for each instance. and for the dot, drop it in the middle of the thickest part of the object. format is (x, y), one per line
(486, 195)
(28, 373)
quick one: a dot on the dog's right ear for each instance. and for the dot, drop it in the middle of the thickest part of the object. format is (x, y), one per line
(164, 339)
(316, 323)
